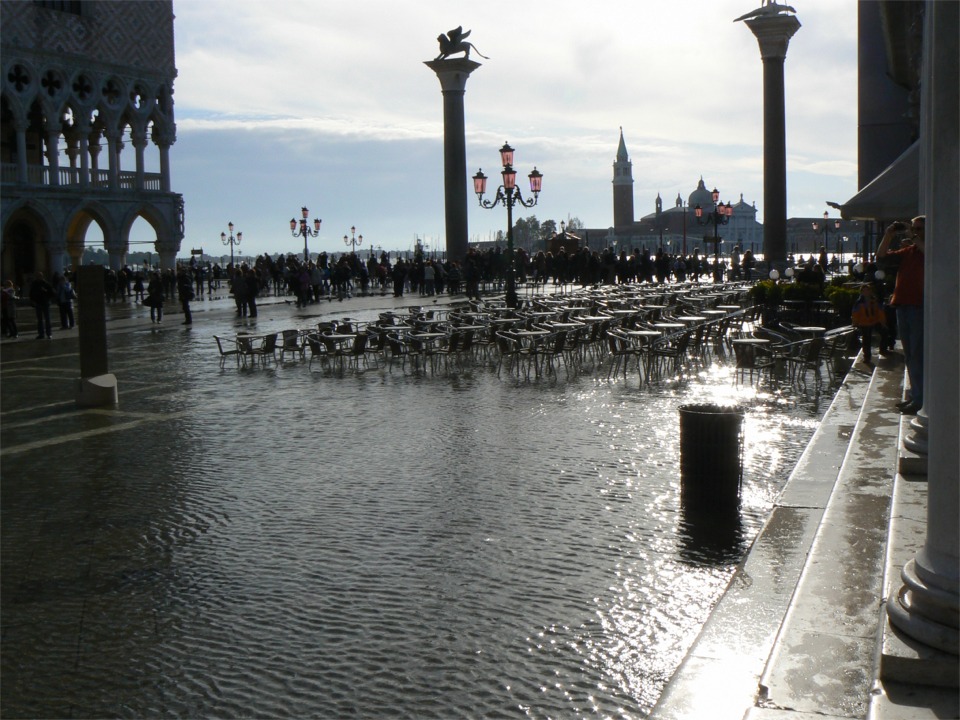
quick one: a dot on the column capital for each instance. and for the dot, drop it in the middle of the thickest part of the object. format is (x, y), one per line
(452, 74)
(773, 33)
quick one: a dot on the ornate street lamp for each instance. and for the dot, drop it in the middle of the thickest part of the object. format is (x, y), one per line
(231, 240)
(353, 241)
(508, 194)
(304, 230)
(720, 215)
(826, 229)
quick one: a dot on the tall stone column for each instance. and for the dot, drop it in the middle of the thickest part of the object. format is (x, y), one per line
(926, 607)
(773, 32)
(453, 76)
(139, 139)
(21, 128)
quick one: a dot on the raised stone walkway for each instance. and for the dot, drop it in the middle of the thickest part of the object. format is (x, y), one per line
(801, 631)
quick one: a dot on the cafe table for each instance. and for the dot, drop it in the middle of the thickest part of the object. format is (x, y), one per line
(811, 330)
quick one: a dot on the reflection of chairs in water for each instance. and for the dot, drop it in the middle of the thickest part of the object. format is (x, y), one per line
(619, 350)
(512, 351)
(750, 358)
(669, 352)
(317, 349)
(839, 346)
(267, 349)
(291, 344)
(801, 357)
(396, 348)
(224, 354)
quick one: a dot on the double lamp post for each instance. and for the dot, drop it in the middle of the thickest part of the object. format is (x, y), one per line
(508, 194)
(720, 215)
(304, 230)
(231, 241)
(826, 230)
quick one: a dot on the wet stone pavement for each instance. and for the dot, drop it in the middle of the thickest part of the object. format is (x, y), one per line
(286, 542)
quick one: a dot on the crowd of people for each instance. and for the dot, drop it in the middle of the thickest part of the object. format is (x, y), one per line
(327, 278)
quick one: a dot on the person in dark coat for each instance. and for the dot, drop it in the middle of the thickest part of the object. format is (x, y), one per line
(185, 290)
(41, 293)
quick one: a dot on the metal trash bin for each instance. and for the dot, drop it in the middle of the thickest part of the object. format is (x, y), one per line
(711, 454)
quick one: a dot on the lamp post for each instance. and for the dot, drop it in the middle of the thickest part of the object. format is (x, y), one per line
(231, 240)
(508, 194)
(720, 215)
(826, 227)
(304, 230)
(354, 240)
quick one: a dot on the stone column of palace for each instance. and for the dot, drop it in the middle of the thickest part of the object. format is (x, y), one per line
(926, 608)
(773, 32)
(453, 76)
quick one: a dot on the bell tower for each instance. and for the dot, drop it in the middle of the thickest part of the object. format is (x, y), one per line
(622, 187)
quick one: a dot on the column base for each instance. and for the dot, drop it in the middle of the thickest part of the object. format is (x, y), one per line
(97, 391)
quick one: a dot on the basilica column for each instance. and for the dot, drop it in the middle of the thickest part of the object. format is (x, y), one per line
(93, 146)
(113, 157)
(53, 153)
(139, 139)
(453, 76)
(773, 31)
(926, 607)
(164, 140)
(20, 125)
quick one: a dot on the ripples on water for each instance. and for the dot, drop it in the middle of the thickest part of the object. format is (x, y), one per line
(297, 544)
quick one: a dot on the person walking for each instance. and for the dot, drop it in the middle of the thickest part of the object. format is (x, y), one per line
(41, 293)
(65, 298)
(908, 301)
(868, 315)
(185, 290)
(154, 299)
(8, 309)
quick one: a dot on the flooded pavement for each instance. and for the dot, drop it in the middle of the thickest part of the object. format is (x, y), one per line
(281, 542)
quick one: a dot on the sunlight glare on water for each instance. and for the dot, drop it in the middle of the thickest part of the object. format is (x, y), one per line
(283, 542)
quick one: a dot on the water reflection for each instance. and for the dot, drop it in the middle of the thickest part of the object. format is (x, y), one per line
(286, 543)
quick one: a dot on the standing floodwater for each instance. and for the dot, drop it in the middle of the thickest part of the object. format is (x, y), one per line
(285, 543)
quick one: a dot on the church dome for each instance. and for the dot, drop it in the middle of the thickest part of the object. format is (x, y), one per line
(701, 196)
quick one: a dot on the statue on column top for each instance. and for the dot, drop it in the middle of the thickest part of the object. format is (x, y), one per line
(455, 42)
(768, 8)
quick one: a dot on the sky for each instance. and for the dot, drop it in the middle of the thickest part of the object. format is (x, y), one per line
(328, 105)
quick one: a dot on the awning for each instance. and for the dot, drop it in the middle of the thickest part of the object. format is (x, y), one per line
(894, 194)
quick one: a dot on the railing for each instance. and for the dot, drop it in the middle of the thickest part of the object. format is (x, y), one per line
(70, 177)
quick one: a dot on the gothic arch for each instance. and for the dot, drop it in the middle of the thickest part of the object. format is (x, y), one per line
(25, 244)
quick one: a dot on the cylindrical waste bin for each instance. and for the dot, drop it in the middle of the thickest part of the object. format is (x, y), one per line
(711, 453)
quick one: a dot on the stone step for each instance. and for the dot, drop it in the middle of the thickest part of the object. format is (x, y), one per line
(823, 660)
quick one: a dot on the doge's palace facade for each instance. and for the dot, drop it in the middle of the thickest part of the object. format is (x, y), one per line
(87, 99)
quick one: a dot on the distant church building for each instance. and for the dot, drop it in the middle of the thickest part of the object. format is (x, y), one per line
(84, 81)
(675, 228)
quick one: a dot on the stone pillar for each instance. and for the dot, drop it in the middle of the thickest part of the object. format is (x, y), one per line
(773, 32)
(85, 158)
(167, 250)
(926, 608)
(113, 157)
(94, 148)
(453, 76)
(21, 128)
(164, 165)
(139, 139)
(96, 386)
(53, 155)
